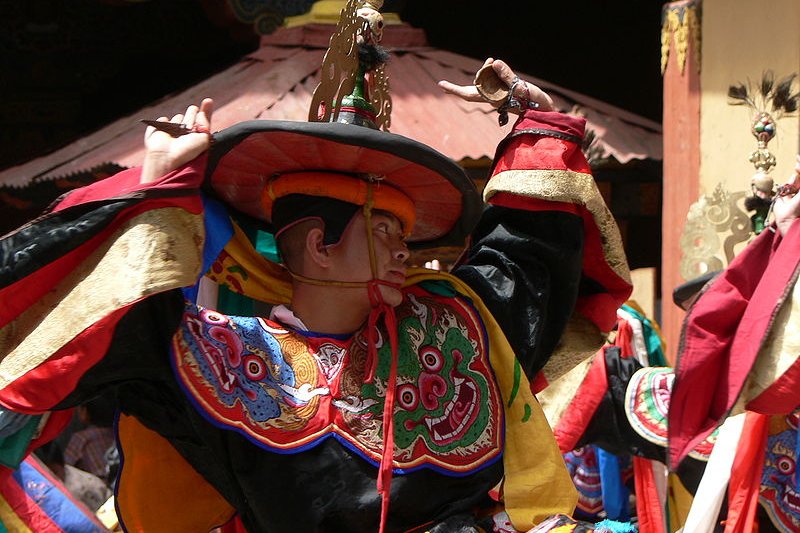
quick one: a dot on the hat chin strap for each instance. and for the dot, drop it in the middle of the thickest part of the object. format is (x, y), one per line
(379, 308)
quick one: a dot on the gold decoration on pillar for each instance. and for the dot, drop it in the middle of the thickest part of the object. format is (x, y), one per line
(715, 226)
(360, 23)
(680, 27)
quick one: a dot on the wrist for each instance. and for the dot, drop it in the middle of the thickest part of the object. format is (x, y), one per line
(155, 165)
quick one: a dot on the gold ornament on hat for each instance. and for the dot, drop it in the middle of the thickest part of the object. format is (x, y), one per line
(360, 23)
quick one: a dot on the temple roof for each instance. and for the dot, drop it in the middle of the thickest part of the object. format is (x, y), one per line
(277, 81)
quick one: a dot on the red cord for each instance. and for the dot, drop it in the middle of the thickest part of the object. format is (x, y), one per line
(381, 308)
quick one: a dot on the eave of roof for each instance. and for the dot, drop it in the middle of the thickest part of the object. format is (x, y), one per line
(277, 80)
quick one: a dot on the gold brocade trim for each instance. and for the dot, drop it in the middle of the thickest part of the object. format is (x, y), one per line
(716, 225)
(680, 23)
(558, 395)
(780, 350)
(569, 187)
(580, 340)
(156, 251)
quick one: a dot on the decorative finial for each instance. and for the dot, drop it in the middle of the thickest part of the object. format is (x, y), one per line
(354, 87)
(770, 102)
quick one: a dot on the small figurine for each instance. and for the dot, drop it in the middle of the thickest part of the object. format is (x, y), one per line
(780, 100)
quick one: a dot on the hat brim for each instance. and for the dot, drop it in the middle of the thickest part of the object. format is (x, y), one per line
(683, 295)
(244, 157)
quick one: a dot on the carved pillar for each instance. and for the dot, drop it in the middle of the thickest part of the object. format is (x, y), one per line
(680, 65)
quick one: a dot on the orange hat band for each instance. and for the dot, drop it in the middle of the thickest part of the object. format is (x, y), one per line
(345, 188)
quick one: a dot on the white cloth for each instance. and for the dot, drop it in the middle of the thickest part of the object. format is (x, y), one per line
(284, 315)
(714, 485)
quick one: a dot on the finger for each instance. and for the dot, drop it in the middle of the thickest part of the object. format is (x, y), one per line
(190, 116)
(203, 120)
(177, 119)
(469, 93)
(150, 129)
(504, 72)
(207, 108)
(488, 62)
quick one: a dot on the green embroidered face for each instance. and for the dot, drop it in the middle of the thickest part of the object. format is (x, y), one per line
(442, 400)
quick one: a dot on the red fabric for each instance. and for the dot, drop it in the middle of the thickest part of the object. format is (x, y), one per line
(600, 308)
(745, 483)
(37, 390)
(581, 409)
(624, 340)
(127, 182)
(648, 506)
(782, 397)
(723, 333)
(56, 423)
(539, 383)
(234, 525)
(551, 153)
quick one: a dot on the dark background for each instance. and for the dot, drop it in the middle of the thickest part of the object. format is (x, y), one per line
(71, 66)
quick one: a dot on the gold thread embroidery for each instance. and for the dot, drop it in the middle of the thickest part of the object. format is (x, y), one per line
(157, 251)
(570, 187)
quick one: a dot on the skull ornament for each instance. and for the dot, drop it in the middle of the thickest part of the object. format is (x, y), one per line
(370, 13)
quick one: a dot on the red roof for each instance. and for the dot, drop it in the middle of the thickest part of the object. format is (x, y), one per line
(277, 80)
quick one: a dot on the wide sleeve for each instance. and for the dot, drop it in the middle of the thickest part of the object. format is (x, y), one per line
(546, 257)
(69, 278)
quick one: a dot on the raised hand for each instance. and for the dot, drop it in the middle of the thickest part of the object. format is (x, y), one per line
(165, 152)
(523, 90)
(787, 205)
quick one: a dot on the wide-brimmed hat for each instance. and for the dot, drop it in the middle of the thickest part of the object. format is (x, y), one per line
(246, 158)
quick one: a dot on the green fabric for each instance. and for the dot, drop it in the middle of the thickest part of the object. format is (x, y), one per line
(233, 303)
(652, 341)
(439, 287)
(14, 447)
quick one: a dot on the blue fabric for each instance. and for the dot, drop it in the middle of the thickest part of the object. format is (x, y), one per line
(613, 526)
(615, 493)
(54, 501)
(219, 231)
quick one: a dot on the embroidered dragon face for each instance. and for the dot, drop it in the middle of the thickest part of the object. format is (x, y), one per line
(445, 399)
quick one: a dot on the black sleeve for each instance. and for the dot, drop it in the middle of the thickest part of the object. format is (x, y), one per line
(139, 349)
(526, 267)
